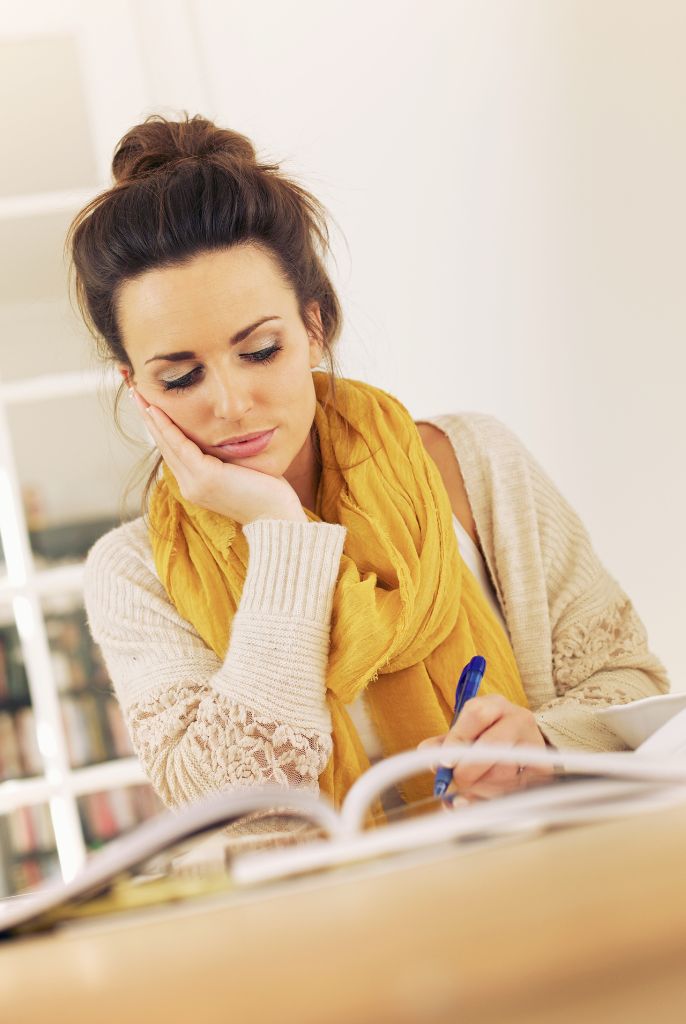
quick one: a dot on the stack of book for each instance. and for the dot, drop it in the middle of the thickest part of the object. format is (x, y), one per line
(19, 755)
(116, 811)
(27, 847)
(27, 840)
(95, 732)
(93, 723)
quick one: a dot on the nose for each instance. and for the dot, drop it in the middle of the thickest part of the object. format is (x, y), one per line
(231, 400)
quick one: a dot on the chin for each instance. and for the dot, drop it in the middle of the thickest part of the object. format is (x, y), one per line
(262, 462)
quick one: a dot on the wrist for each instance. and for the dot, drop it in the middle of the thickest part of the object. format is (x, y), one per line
(288, 515)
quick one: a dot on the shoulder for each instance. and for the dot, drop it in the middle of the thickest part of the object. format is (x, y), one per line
(491, 457)
(459, 444)
(121, 585)
(520, 511)
(124, 550)
(494, 483)
(478, 435)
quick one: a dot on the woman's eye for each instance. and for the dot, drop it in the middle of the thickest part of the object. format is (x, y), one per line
(181, 382)
(263, 357)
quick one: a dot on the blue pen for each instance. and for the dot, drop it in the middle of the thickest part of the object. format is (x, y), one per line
(467, 687)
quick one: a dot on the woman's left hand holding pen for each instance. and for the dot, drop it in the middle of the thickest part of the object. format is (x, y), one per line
(492, 719)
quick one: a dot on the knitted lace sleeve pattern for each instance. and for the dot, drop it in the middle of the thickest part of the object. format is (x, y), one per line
(600, 658)
(196, 723)
(192, 740)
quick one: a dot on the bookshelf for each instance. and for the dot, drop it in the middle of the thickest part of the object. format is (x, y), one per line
(69, 781)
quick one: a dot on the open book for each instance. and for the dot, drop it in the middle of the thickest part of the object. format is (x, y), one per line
(653, 725)
(585, 787)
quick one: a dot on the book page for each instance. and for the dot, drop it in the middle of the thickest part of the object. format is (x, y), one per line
(667, 741)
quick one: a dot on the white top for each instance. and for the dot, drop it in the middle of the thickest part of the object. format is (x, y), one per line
(474, 561)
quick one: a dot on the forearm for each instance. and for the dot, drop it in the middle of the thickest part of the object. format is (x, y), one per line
(279, 645)
(197, 723)
(192, 741)
(571, 721)
(598, 661)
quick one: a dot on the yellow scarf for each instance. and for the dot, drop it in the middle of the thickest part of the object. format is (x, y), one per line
(407, 613)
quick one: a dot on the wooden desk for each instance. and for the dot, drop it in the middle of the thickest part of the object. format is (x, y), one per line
(583, 925)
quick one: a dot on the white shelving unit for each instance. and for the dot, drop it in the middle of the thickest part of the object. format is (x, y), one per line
(22, 590)
(113, 65)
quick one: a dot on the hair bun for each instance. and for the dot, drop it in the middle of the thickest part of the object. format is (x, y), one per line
(157, 142)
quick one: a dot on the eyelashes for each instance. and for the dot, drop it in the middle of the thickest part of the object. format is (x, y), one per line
(263, 357)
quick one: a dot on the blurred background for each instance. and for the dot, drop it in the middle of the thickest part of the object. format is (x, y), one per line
(506, 184)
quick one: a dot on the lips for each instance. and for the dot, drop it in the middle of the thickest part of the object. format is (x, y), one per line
(239, 440)
(252, 445)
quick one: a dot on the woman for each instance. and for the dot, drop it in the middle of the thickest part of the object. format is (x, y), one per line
(314, 568)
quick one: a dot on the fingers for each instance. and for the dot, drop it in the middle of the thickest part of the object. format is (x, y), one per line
(180, 453)
(478, 715)
(487, 720)
(432, 741)
(141, 402)
(466, 776)
(436, 742)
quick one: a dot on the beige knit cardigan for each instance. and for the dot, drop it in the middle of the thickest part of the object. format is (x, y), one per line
(199, 724)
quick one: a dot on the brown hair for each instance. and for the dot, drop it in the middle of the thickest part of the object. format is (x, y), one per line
(187, 187)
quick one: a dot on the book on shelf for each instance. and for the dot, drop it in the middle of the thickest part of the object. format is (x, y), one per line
(33, 870)
(112, 812)
(14, 686)
(250, 835)
(121, 740)
(28, 853)
(83, 727)
(92, 720)
(10, 757)
(19, 753)
(27, 737)
(30, 830)
(27, 848)
(4, 683)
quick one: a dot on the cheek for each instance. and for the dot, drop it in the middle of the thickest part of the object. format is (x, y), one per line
(296, 382)
(184, 409)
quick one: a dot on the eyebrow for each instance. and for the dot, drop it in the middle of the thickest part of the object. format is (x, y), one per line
(177, 357)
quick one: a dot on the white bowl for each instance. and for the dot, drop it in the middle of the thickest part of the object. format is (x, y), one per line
(636, 721)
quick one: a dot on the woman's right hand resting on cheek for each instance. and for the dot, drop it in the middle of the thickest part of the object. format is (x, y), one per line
(241, 493)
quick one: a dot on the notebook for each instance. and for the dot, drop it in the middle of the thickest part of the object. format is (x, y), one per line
(267, 832)
(640, 720)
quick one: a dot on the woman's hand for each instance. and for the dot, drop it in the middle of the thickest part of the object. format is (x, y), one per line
(492, 719)
(241, 493)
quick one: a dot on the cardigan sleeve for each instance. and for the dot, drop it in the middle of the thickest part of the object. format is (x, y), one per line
(198, 723)
(600, 657)
(578, 640)
(600, 652)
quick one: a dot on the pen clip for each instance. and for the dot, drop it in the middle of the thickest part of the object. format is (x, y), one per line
(460, 692)
(469, 683)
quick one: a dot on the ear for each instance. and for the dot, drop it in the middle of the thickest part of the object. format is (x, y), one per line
(125, 371)
(315, 333)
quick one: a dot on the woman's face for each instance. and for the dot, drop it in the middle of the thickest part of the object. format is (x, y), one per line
(195, 352)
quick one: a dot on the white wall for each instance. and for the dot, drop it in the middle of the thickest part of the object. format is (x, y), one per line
(508, 179)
